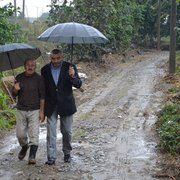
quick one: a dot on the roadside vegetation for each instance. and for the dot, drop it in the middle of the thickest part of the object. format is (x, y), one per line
(7, 114)
(168, 125)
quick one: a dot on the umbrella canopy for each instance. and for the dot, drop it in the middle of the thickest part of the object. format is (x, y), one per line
(73, 33)
(13, 55)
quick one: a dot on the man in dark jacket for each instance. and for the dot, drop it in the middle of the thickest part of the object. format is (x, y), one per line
(59, 77)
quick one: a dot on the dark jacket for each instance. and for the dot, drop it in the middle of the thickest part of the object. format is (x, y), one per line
(60, 96)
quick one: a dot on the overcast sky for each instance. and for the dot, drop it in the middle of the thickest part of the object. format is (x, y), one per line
(33, 8)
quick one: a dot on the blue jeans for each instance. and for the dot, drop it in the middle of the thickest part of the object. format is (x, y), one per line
(66, 130)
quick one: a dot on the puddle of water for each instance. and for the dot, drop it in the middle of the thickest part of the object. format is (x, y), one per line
(10, 143)
(5, 175)
(43, 132)
(122, 175)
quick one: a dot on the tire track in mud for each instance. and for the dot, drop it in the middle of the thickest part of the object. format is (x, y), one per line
(125, 112)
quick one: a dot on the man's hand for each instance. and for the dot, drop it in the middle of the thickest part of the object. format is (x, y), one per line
(71, 71)
(41, 116)
(17, 86)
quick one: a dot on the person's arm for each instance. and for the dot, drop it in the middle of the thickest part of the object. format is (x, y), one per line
(41, 110)
(42, 99)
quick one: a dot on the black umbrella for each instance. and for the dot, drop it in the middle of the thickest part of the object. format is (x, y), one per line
(13, 55)
(73, 33)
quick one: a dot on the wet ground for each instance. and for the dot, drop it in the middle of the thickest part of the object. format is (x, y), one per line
(113, 132)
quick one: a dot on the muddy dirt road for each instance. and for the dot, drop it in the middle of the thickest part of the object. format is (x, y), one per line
(113, 135)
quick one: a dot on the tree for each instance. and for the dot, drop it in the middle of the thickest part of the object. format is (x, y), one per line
(172, 56)
(5, 26)
(23, 9)
(15, 6)
(9, 30)
(159, 25)
(120, 21)
(156, 16)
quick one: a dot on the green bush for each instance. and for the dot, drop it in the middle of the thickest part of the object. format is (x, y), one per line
(7, 115)
(174, 90)
(169, 129)
(3, 98)
(7, 120)
(170, 137)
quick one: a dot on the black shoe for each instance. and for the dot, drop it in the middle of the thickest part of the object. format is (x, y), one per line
(23, 152)
(67, 158)
(50, 163)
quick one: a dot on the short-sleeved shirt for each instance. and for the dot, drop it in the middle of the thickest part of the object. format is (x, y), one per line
(32, 90)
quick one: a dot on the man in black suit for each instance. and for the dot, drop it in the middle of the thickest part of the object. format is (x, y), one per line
(59, 77)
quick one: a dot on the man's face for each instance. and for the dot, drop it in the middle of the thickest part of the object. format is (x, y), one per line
(30, 67)
(56, 59)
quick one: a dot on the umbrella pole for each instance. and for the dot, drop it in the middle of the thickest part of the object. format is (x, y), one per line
(11, 65)
(72, 50)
